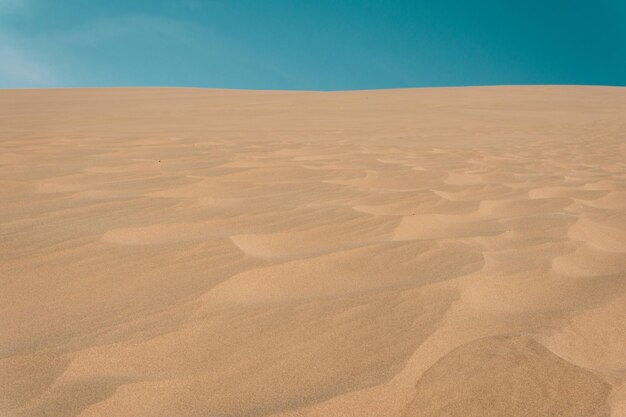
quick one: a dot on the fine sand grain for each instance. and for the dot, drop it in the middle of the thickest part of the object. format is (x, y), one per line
(400, 253)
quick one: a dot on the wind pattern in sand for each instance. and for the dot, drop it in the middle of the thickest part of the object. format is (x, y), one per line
(436, 252)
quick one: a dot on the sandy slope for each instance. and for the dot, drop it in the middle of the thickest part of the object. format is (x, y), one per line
(436, 252)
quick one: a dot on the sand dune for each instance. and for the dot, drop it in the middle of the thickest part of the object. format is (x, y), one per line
(430, 252)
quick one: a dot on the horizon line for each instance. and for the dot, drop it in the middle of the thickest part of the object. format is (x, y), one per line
(174, 87)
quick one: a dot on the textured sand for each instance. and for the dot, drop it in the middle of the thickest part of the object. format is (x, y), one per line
(435, 252)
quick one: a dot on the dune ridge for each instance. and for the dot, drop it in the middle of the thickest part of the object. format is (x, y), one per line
(398, 253)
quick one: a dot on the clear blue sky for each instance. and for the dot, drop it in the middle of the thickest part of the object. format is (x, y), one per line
(311, 45)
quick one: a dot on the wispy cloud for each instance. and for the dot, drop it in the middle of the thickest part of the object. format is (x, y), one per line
(124, 49)
(148, 34)
(19, 68)
(21, 64)
(14, 6)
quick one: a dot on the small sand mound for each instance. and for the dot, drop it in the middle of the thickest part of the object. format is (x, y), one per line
(436, 226)
(612, 200)
(566, 192)
(328, 236)
(521, 207)
(607, 233)
(507, 376)
(593, 338)
(586, 261)
(347, 272)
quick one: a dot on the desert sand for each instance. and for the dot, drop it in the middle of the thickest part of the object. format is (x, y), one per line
(398, 253)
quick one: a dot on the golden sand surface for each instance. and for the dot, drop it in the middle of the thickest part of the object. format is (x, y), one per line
(392, 253)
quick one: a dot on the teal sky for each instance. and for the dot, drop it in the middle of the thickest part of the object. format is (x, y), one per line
(311, 45)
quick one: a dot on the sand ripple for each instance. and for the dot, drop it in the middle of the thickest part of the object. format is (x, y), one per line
(437, 252)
